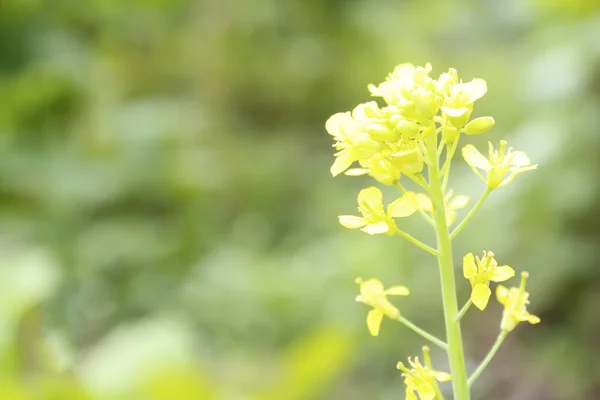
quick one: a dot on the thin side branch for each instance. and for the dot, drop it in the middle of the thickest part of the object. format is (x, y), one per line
(438, 342)
(476, 207)
(463, 310)
(418, 243)
(488, 357)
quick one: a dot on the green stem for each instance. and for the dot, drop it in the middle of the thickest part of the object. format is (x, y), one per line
(423, 213)
(418, 243)
(488, 357)
(453, 332)
(446, 168)
(438, 342)
(476, 207)
(463, 310)
(436, 387)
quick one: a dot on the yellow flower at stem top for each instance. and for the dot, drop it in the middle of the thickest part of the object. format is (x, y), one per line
(373, 294)
(375, 219)
(515, 302)
(399, 85)
(420, 379)
(499, 165)
(458, 107)
(452, 203)
(479, 272)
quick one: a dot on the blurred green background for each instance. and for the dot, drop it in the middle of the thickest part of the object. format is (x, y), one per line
(168, 223)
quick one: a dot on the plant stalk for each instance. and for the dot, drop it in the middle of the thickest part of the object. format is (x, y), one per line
(454, 337)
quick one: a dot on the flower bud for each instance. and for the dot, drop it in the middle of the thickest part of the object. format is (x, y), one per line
(479, 125)
(381, 132)
(407, 128)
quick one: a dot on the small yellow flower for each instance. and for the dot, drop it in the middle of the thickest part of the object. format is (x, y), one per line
(398, 86)
(515, 302)
(480, 272)
(373, 294)
(452, 203)
(412, 92)
(375, 220)
(446, 81)
(499, 165)
(420, 379)
(352, 141)
(457, 107)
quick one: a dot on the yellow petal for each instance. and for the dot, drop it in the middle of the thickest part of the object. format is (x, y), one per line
(501, 294)
(426, 391)
(374, 318)
(459, 201)
(338, 124)
(404, 206)
(376, 229)
(372, 197)
(481, 295)
(341, 163)
(520, 159)
(371, 290)
(502, 273)
(474, 89)
(351, 222)
(475, 159)
(533, 319)
(387, 308)
(356, 172)
(469, 268)
(441, 376)
(455, 112)
(424, 202)
(398, 291)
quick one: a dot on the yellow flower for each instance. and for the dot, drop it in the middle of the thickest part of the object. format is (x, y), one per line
(373, 294)
(458, 106)
(412, 91)
(499, 165)
(420, 379)
(480, 272)
(451, 203)
(398, 86)
(375, 219)
(352, 141)
(446, 81)
(515, 302)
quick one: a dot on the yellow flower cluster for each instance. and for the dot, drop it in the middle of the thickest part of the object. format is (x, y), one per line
(388, 142)
(401, 138)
